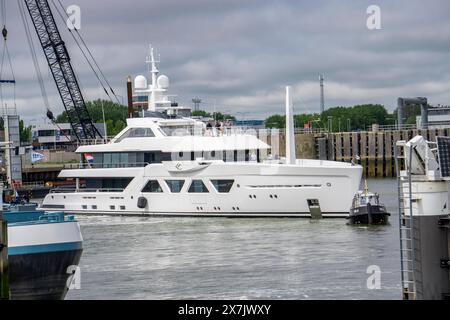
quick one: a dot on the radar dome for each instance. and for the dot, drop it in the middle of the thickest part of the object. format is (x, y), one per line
(140, 83)
(163, 82)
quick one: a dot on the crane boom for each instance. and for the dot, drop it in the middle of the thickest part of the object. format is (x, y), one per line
(61, 68)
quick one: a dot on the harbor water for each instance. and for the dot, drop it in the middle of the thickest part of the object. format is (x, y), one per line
(219, 258)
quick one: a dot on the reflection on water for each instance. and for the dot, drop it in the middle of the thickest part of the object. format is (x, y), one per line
(218, 258)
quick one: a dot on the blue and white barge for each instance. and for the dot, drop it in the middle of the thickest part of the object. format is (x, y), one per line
(44, 250)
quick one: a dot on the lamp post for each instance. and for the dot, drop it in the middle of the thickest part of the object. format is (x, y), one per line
(104, 123)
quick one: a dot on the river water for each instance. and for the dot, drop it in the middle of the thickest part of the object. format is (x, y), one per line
(218, 258)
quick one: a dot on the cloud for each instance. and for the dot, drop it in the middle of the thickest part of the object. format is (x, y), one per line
(239, 55)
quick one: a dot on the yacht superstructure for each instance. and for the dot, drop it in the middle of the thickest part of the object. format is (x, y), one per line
(163, 164)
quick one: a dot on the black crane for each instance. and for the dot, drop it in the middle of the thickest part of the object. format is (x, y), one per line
(61, 68)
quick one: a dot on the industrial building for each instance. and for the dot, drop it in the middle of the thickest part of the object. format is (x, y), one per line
(61, 136)
(438, 117)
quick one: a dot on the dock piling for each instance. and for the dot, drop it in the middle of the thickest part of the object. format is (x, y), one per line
(4, 271)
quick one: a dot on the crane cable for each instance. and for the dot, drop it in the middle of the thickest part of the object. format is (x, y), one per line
(83, 43)
(6, 54)
(34, 56)
(37, 68)
(83, 53)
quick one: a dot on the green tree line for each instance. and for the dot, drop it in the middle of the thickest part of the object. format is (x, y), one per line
(115, 115)
(358, 117)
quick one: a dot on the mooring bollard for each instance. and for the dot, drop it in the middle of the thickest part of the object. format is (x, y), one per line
(4, 270)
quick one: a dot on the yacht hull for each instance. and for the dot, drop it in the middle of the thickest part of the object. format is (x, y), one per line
(41, 276)
(42, 258)
(259, 190)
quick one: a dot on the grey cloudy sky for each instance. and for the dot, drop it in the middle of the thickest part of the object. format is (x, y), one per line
(240, 54)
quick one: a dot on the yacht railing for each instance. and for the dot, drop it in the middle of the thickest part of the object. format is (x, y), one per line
(231, 131)
(105, 165)
(113, 166)
(33, 185)
(86, 190)
(90, 142)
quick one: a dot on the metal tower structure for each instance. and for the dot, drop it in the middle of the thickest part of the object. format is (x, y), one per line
(322, 93)
(59, 62)
(197, 102)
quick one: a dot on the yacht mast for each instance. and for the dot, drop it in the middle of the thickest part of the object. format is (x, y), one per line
(290, 135)
(154, 86)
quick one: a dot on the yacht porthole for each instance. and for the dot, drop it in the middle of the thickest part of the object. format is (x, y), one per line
(271, 196)
(276, 197)
(234, 209)
(329, 184)
(238, 185)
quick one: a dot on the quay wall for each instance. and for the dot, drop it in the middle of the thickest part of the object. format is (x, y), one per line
(375, 148)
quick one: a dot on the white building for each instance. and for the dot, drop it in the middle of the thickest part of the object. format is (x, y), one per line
(438, 117)
(49, 136)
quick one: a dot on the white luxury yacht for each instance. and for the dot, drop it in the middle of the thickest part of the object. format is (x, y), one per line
(166, 165)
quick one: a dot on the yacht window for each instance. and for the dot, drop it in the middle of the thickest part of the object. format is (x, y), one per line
(178, 130)
(223, 186)
(141, 133)
(137, 133)
(175, 186)
(152, 186)
(107, 160)
(198, 186)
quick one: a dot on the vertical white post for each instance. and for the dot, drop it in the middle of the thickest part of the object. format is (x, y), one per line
(104, 124)
(290, 134)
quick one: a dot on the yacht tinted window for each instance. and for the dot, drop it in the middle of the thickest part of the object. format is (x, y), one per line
(152, 187)
(141, 133)
(223, 186)
(198, 186)
(175, 186)
(137, 133)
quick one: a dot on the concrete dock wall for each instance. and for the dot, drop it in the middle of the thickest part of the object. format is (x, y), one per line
(375, 148)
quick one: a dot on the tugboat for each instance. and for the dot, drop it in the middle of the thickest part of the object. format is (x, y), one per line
(367, 209)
